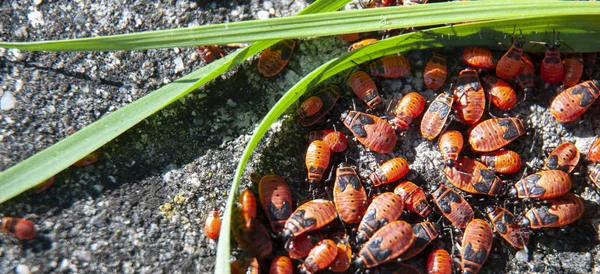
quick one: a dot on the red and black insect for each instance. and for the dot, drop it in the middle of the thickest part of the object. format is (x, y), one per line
(439, 262)
(546, 184)
(451, 143)
(392, 66)
(480, 58)
(342, 261)
(436, 115)
(211, 53)
(594, 151)
(250, 234)
(564, 157)
(336, 140)
(370, 130)
(574, 101)
(22, 229)
(469, 98)
(362, 43)
(509, 65)
(414, 198)
(310, 216)
(474, 177)
(317, 160)
(552, 69)
(573, 69)
(320, 256)
(276, 199)
(526, 76)
(386, 244)
(435, 72)
(298, 247)
(476, 245)
(316, 106)
(349, 195)
(500, 93)
(276, 57)
(87, 160)
(408, 108)
(390, 171)
(384, 208)
(364, 88)
(505, 224)
(212, 225)
(495, 133)
(453, 206)
(561, 211)
(281, 265)
(425, 233)
(247, 205)
(595, 175)
(502, 161)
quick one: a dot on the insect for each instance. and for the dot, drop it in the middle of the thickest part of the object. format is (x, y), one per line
(594, 152)
(526, 76)
(436, 115)
(246, 266)
(281, 265)
(435, 72)
(364, 87)
(211, 53)
(509, 65)
(439, 262)
(389, 172)
(87, 160)
(22, 229)
(276, 199)
(276, 57)
(573, 69)
(250, 234)
(317, 160)
(469, 99)
(425, 233)
(384, 208)
(386, 244)
(414, 198)
(552, 69)
(589, 62)
(44, 185)
(574, 101)
(309, 216)
(320, 256)
(362, 43)
(371, 131)
(474, 177)
(453, 206)
(392, 66)
(351, 37)
(342, 261)
(324, 100)
(595, 175)
(501, 94)
(408, 108)
(298, 247)
(247, 202)
(505, 224)
(335, 140)
(212, 226)
(495, 133)
(561, 211)
(451, 143)
(349, 195)
(502, 161)
(476, 245)
(480, 58)
(546, 184)
(564, 157)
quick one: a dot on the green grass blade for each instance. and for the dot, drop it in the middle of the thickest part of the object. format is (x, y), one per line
(321, 24)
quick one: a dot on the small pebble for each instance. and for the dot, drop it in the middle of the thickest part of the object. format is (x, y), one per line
(22, 269)
(37, 2)
(262, 14)
(8, 101)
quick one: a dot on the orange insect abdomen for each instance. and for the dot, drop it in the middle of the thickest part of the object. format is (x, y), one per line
(386, 244)
(298, 247)
(453, 206)
(22, 229)
(342, 261)
(392, 66)
(389, 172)
(546, 184)
(495, 133)
(505, 224)
(87, 160)
(436, 115)
(573, 70)
(594, 151)
(212, 225)
(509, 65)
(310, 107)
(503, 161)
(408, 108)
(324, 99)
(362, 43)
(469, 98)
(247, 202)
(552, 69)
(317, 160)
(564, 157)
(364, 87)
(503, 96)
(275, 58)
(480, 58)
(414, 198)
(384, 208)
(435, 72)
(310, 216)
(451, 143)
(349, 195)
(476, 245)
(336, 141)
(561, 211)
(474, 177)
(281, 265)
(371, 131)
(276, 199)
(320, 256)
(574, 101)
(439, 262)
